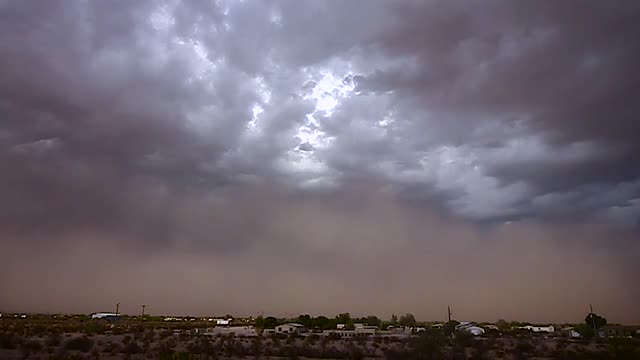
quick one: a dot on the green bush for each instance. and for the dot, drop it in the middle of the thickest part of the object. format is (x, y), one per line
(32, 346)
(9, 341)
(54, 340)
(178, 356)
(82, 343)
(66, 357)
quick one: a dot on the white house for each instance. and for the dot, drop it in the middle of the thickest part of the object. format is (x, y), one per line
(291, 328)
(223, 322)
(491, 327)
(547, 329)
(366, 330)
(470, 328)
(104, 315)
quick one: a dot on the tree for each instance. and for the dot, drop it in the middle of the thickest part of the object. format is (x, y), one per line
(450, 327)
(394, 320)
(322, 322)
(373, 320)
(259, 322)
(586, 331)
(270, 322)
(595, 320)
(503, 325)
(305, 320)
(408, 320)
(345, 318)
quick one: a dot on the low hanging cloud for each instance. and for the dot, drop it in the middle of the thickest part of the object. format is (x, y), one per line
(280, 151)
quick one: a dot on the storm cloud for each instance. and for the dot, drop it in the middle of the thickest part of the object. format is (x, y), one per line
(292, 156)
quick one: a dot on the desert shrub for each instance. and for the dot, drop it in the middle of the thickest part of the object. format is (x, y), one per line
(112, 348)
(355, 352)
(313, 339)
(166, 347)
(463, 338)
(397, 354)
(54, 340)
(621, 348)
(66, 357)
(523, 348)
(148, 336)
(82, 343)
(131, 347)
(427, 345)
(178, 356)
(9, 341)
(31, 346)
(94, 327)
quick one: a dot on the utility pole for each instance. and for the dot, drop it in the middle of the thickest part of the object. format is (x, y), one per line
(448, 324)
(117, 309)
(143, 306)
(593, 320)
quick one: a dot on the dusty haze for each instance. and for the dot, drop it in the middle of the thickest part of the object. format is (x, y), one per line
(286, 157)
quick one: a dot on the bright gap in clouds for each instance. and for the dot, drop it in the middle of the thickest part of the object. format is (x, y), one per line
(328, 92)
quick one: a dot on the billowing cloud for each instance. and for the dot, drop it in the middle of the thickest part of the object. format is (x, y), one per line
(305, 145)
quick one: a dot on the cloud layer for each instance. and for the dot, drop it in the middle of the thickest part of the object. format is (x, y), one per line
(312, 156)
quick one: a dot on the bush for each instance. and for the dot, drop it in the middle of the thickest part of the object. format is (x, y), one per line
(54, 340)
(112, 348)
(32, 346)
(9, 341)
(83, 344)
(66, 357)
(178, 356)
(132, 348)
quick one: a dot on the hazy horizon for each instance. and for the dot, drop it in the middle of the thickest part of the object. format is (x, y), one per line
(292, 157)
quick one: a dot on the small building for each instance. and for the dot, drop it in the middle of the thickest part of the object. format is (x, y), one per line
(223, 322)
(105, 316)
(366, 330)
(536, 329)
(470, 328)
(491, 327)
(291, 328)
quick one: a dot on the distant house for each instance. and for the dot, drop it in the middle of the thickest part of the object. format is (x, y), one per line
(470, 328)
(366, 330)
(105, 316)
(491, 327)
(547, 329)
(570, 332)
(223, 322)
(291, 328)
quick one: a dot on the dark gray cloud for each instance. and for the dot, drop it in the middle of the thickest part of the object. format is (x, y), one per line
(316, 138)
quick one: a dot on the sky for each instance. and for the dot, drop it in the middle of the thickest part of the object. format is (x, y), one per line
(287, 157)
